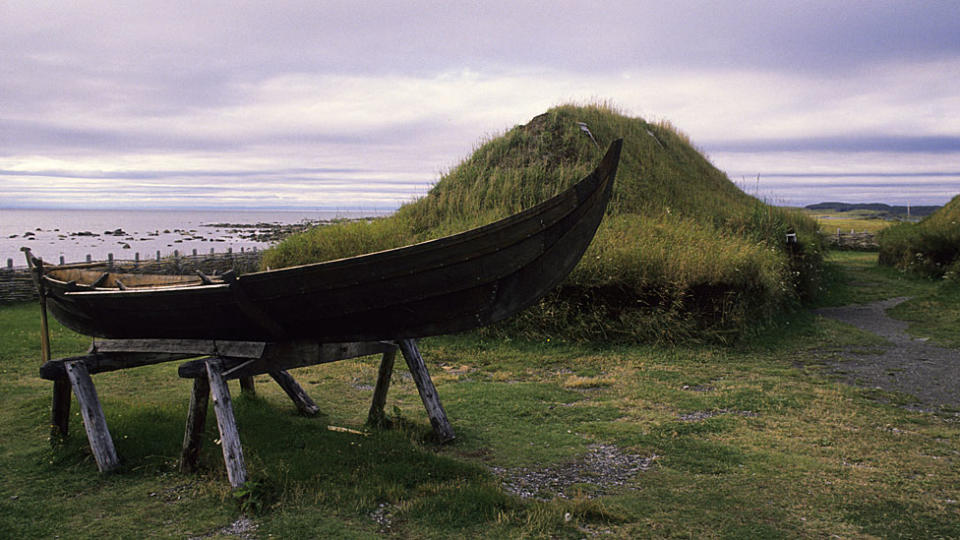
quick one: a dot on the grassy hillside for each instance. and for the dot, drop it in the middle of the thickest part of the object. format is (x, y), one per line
(682, 253)
(931, 247)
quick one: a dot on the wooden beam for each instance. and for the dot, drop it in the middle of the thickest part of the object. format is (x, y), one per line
(196, 422)
(226, 423)
(195, 347)
(297, 394)
(428, 392)
(376, 416)
(93, 420)
(286, 356)
(101, 362)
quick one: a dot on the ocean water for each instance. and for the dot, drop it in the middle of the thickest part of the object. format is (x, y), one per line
(75, 234)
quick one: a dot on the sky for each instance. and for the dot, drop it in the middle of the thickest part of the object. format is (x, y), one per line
(364, 105)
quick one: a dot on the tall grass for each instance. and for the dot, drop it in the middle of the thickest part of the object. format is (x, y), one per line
(931, 247)
(683, 252)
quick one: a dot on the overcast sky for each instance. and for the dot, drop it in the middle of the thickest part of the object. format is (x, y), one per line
(364, 104)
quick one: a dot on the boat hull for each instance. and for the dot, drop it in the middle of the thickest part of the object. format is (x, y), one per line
(442, 286)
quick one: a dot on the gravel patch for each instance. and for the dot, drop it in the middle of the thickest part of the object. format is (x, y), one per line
(604, 466)
(903, 363)
(383, 516)
(243, 528)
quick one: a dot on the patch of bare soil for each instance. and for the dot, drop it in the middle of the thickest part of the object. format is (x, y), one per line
(900, 363)
(603, 467)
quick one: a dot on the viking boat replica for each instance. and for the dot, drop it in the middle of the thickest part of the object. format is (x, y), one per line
(442, 286)
(265, 323)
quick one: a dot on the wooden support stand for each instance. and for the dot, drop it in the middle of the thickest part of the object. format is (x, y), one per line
(218, 363)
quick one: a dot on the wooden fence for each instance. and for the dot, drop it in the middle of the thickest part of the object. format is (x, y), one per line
(16, 285)
(853, 240)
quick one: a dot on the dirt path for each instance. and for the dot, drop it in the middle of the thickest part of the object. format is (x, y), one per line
(901, 363)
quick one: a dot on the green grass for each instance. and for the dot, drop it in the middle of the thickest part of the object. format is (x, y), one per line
(942, 328)
(853, 220)
(683, 254)
(781, 449)
(855, 277)
(930, 248)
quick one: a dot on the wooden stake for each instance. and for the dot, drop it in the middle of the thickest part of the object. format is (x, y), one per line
(226, 423)
(196, 421)
(93, 420)
(428, 393)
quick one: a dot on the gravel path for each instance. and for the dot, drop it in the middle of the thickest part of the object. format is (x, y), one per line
(903, 364)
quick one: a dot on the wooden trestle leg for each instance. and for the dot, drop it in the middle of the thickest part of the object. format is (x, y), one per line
(247, 386)
(295, 392)
(60, 411)
(93, 420)
(227, 424)
(196, 422)
(376, 417)
(428, 392)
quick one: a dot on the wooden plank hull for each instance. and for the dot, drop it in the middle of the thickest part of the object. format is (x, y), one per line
(442, 286)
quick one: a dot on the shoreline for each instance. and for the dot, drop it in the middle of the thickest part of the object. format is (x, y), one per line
(97, 235)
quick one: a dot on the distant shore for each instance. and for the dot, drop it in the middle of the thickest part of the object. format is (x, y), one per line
(75, 235)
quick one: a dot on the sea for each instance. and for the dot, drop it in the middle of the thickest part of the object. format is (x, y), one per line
(73, 235)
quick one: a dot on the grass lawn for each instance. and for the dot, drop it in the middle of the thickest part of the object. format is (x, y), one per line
(854, 220)
(630, 441)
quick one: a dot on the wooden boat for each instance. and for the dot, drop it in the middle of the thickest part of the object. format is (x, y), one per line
(442, 286)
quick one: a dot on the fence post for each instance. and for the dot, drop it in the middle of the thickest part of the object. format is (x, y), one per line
(89, 258)
(61, 260)
(158, 255)
(10, 264)
(194, 252)
(136, 259)
(110, 260)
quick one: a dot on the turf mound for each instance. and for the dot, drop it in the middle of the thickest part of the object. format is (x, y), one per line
(683, 253)
(930, 247)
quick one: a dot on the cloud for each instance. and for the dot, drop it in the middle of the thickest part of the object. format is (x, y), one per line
(852, 143)
(242, 93)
